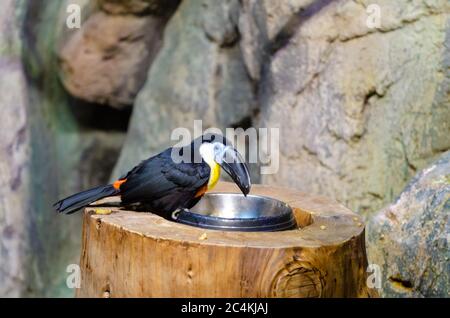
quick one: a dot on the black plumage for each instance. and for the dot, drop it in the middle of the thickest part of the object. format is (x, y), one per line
(164, 185)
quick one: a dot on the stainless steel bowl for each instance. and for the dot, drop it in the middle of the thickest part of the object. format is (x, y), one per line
(235, 212)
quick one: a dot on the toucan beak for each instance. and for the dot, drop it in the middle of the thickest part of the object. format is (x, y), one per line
(231, 161)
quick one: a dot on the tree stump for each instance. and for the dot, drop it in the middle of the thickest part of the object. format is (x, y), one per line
(131, 254)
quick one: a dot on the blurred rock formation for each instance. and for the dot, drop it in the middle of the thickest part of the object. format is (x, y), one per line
(106, 61)
(360, 109)
(410, 239)
(49, 148)
(14, 155)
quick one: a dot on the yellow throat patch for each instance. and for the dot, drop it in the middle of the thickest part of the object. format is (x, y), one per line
(214, 175)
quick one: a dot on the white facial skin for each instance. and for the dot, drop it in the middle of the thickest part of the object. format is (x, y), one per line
(218, 156)
(211, 151)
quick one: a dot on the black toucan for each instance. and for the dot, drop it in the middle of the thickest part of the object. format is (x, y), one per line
(176, 178)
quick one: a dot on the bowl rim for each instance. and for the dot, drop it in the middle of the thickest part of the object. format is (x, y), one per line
(265, 197)
(282, 221)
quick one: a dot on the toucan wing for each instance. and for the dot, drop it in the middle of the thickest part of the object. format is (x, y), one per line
(162, 181)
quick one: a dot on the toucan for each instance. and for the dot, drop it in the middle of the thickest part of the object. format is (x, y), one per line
(177, 178)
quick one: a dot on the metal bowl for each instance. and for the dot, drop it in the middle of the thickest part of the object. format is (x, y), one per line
(235, 212)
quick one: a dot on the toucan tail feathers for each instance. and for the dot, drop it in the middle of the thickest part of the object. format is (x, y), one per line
(78, 201)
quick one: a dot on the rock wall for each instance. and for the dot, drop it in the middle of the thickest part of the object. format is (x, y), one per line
(410, 239)
(49, 149)
(106, 61)
(14, 154)
(198, 74)
(360, 109)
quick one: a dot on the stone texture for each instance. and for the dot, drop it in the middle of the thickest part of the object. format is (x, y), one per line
(107, 61)
(46, 154)
(355, 122)
(14, 153)
(359, 110)
(410, 239)
(137, 6)
(66, 155)
(199, 73)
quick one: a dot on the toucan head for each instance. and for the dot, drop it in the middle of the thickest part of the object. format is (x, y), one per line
(216, 149)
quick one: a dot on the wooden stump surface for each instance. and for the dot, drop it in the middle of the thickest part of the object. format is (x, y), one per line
(132, 254)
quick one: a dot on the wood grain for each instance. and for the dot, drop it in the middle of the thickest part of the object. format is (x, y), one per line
(130, 254)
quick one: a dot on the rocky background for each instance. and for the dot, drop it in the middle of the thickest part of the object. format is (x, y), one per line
(364, 115)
